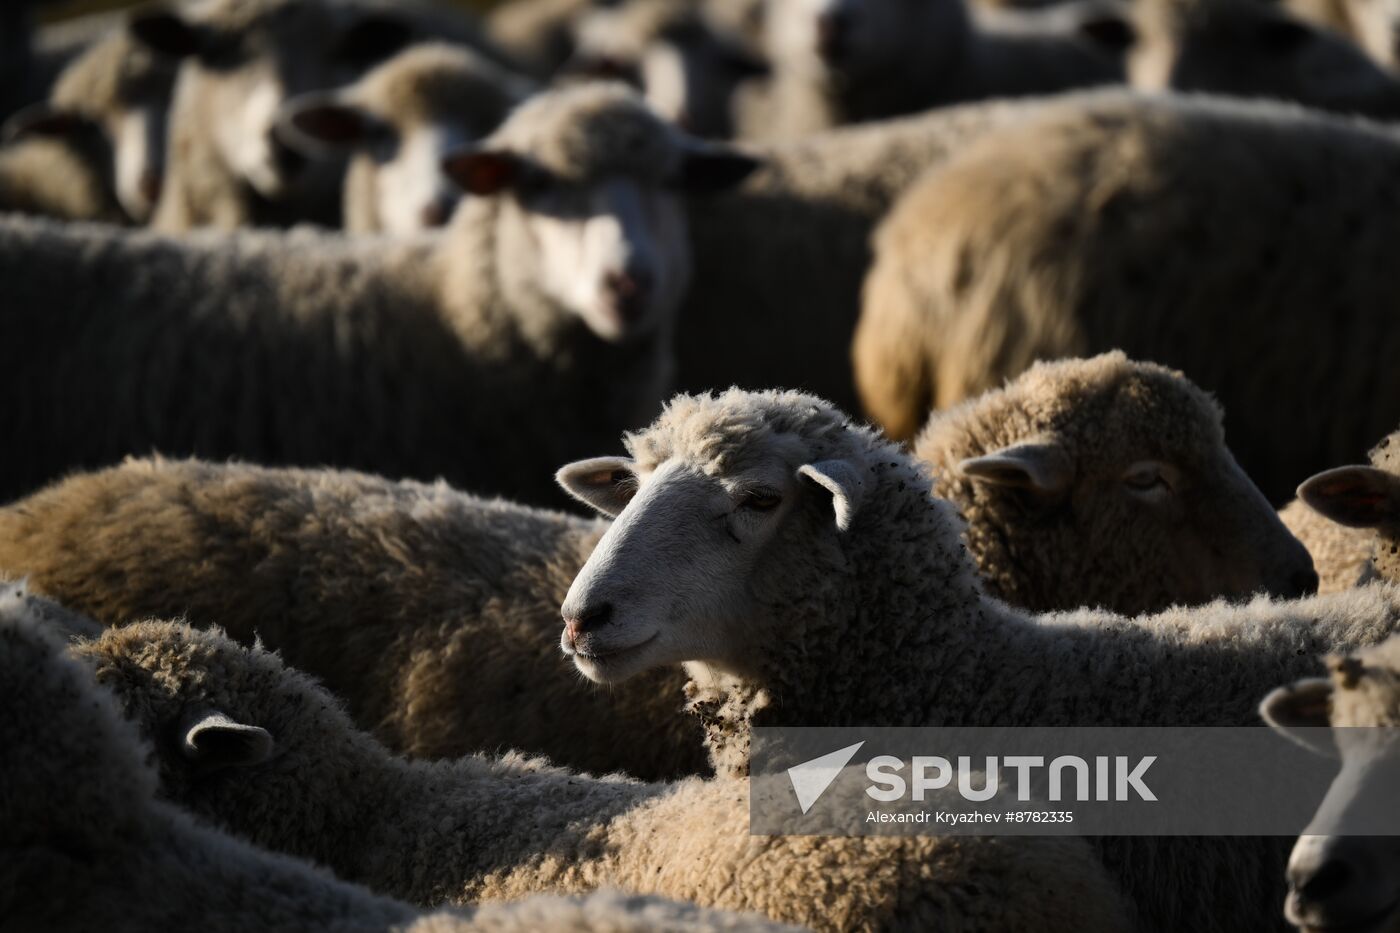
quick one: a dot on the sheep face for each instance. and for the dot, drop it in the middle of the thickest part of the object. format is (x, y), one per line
(854, 38)
(1247, 50)
(1108, 482)
(684, 572)
(1338, 880)
(243, 64)
(588, 214)
(1376, 25)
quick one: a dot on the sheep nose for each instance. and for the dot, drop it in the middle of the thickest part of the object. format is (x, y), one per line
(1317, 887)
(1303, 583)
(588, 619)
(149, 185)
(435, 214)
(832, 27)
(629, 291)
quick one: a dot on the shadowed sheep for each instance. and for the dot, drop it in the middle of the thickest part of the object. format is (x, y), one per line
(290, 773)
(1246, 244)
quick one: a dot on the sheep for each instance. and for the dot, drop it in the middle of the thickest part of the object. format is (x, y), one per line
(466, 355)
(850, 61)
(808, 212)
(415, 571)
(1361, 506)
(687, 68)
(1340, 875)
(758, 536)
(89, 846)
(1105, 482)
(453, 601)
(1037, 242)
(1247, 49)
(118, 91)
(537, 33)
(480, 829)
(242, 60)
(397, 124)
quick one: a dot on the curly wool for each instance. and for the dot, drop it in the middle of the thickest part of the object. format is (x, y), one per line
(482, 830)
(935, 650)
(1341, 555)
(1366, 686)
(1092, 543)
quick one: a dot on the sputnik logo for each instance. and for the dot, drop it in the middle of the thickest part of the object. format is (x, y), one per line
(811, 778)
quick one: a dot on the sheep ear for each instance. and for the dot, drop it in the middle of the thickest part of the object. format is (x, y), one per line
(484, 172)
(371, 39)
(1111, 33)
(320, 124)
(845, 484)
(1044, 468)
(1355, 496)
(212, 738)
(1301, 712)
(41, 119)
(605, 483)
(166, 33)
(711, 170)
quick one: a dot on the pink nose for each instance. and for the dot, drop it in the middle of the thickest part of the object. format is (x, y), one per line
(629, 291)
(587, 620)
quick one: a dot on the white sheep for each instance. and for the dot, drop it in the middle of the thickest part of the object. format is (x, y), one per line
(299, 779)
(1107, 482)
(120, 91)
(759, 536)
(398, 124)
(1146, 224)
(1245, 49)
(539, 34)
(1341, 555)
(1341, 875)
(686, 67)
(57, 178)
(228, 165)
(848, 61)
(538, 324)
(88, 845)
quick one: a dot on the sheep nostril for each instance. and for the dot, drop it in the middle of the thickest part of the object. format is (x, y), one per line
(588, 620)
(435, 214)
(1325, 883)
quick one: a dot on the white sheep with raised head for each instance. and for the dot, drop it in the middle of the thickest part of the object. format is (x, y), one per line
(536, 325)
(1341, 875)
(798, 565)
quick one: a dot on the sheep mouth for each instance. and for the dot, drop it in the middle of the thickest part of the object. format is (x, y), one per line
(1373, 924)
(606, 656)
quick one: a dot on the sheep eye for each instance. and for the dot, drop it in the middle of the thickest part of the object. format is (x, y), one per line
(761, 501)
(1146, 479)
